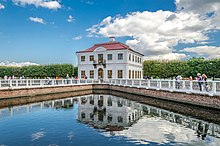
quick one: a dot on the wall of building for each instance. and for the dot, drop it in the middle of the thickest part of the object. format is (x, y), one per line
(126, 64)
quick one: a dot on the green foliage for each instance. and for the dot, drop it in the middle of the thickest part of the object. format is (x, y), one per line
(38, 71)
(186, 68)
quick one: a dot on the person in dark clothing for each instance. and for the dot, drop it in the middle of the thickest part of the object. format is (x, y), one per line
(200, 81)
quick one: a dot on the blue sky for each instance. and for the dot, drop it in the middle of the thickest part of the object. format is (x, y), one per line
(47, 32)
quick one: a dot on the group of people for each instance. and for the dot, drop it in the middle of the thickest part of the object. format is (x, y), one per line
(202, 81)
(13, 77)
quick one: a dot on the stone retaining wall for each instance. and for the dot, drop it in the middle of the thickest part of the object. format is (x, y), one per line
(12, 93)
(193, 99)
(28, 94)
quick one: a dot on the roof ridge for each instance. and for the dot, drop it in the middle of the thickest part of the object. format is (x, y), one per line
(106, 43)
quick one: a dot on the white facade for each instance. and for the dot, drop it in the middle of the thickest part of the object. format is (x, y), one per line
(124, 63)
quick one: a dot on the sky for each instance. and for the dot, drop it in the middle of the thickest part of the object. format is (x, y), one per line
(52, 31)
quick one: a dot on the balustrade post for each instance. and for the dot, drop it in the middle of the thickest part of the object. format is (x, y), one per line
(184, 85)
(0, 83)
(191, 86)
(174, 85)
(132, 83)
(160, 84)
(41, 82)
(10, 83)
(169, 85)
(213, 87)
(52, 82)
(126, 82)
(148, 83)
(139, 83)
(16, 83)
(27, 82)
(31, 82)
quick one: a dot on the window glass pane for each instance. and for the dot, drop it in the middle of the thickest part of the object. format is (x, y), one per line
(91, 74)
(83, 58)
(83, 73)
(91, 58)
(109, 56)
(120, 74)
(110, 74)
(120, 56)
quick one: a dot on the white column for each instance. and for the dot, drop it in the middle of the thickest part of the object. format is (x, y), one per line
(174, 85)
(191, 86)
(184, 85)
(27, 82)
(41, 82)
(16, 83)
(213, 88)
(160, 84)
(148, 83)
(10, 83)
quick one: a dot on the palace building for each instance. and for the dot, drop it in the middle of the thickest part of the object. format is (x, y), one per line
(111, 60)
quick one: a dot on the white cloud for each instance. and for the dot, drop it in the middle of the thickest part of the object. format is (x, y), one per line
(170, 56)
(70, 19)
(77, 37)
(202, 7)
(2, 6)
(20, 64)
(38, 135)
(209, 51)
(157, 33)
(37, 20)
(50, 4)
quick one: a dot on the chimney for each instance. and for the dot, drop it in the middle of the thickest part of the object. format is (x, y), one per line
(112, 39)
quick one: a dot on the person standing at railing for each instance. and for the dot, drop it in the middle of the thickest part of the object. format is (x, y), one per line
(204, 77)
(178, 81)
(67, 78)
(200, 81)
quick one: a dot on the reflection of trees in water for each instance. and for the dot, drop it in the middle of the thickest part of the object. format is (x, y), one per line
(202, 128)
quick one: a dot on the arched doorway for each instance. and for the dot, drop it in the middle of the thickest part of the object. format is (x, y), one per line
(100, 73)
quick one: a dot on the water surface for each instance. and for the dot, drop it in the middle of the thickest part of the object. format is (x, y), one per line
(101, 120)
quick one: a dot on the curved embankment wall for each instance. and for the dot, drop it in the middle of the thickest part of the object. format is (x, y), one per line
(29, 95)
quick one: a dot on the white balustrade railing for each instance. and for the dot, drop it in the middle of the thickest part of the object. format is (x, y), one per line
(211, 88)
(30, 83)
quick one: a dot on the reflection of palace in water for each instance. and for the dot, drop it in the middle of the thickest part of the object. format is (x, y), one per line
(108, 112)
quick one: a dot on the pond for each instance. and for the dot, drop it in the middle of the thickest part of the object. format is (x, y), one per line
(101, 120)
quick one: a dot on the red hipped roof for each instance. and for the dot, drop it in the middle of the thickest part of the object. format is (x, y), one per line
(109, 46)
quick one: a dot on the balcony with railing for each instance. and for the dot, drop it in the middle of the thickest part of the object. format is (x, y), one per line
(99, 62)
